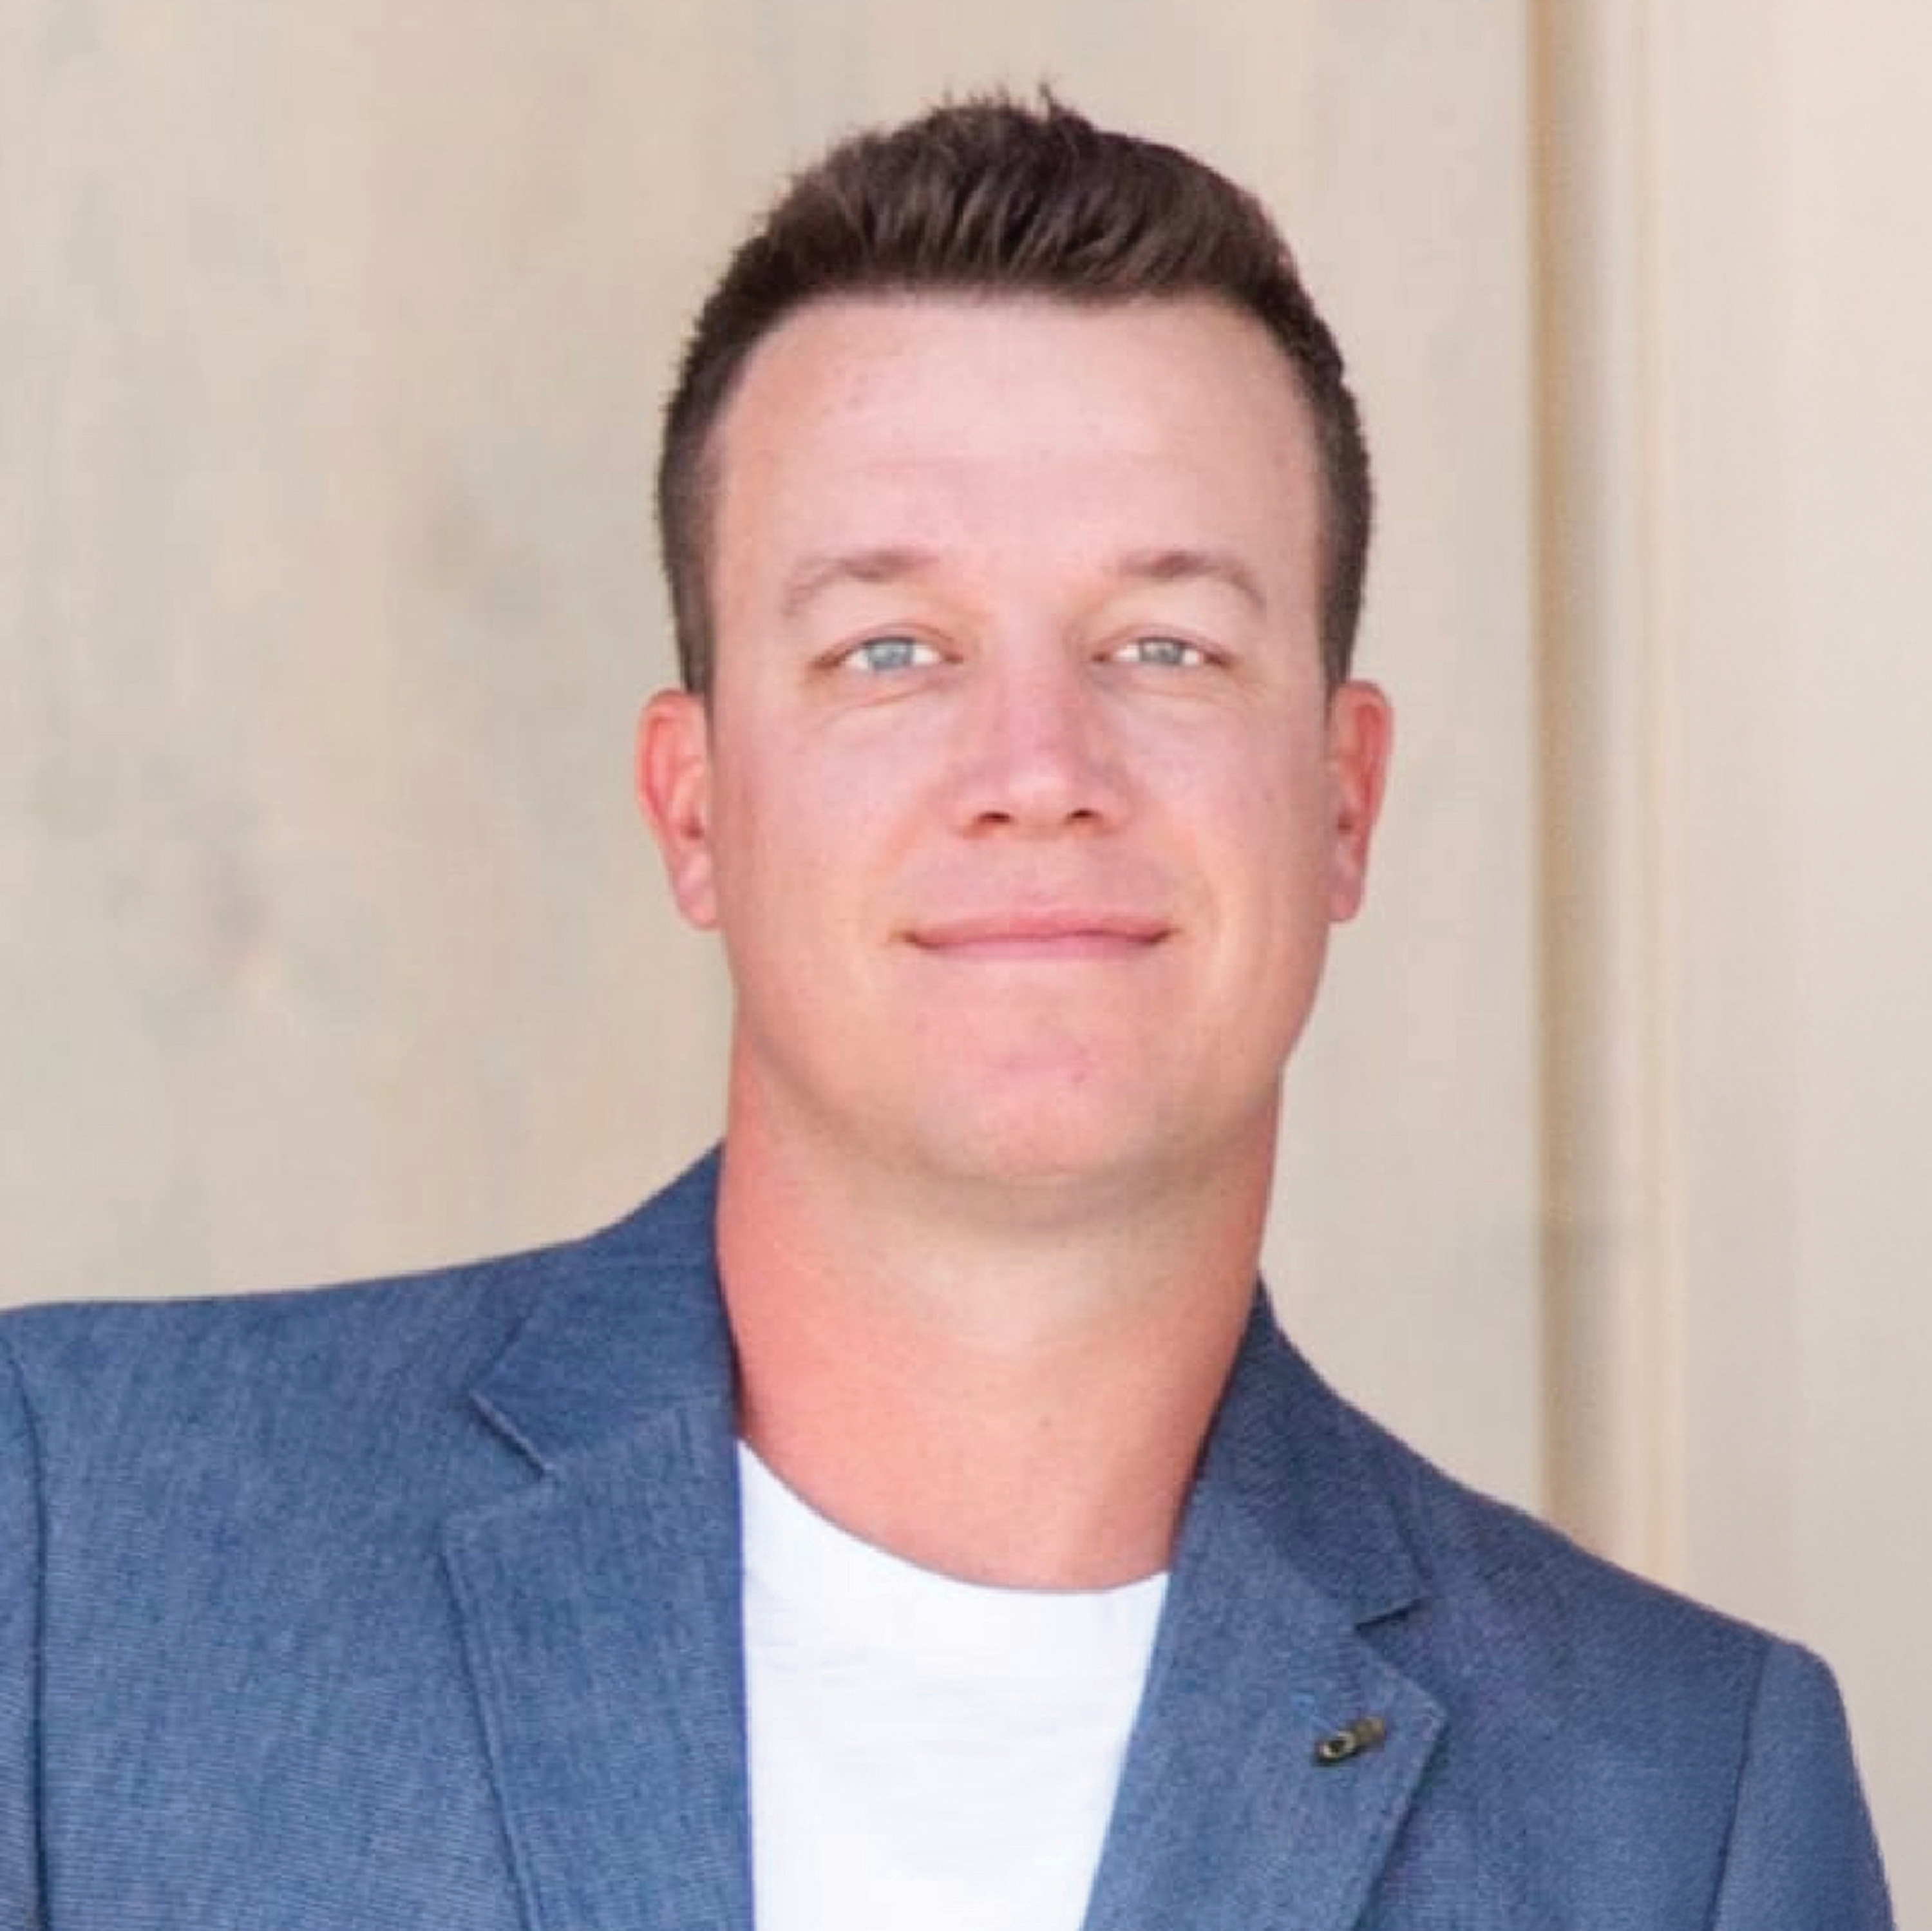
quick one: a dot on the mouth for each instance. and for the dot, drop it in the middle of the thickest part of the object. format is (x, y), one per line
(1068, 933)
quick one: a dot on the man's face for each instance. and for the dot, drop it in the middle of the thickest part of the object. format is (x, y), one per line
(1019, 805)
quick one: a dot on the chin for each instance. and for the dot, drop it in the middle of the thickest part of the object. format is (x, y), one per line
(1041, 1155)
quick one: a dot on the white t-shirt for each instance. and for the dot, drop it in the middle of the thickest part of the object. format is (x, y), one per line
(926, 1753)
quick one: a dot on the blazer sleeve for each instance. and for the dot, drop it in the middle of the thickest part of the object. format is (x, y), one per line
(20, 1907)
(1801, 1855)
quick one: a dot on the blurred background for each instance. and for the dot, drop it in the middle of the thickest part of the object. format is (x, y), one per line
(331, 340)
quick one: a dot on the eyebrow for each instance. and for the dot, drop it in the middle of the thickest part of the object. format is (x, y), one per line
(1179, 566)
(892, 563)
(889, 564)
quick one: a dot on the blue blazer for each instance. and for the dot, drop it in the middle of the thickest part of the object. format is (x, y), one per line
(415, 1605)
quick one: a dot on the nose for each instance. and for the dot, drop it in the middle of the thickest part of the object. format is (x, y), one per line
(1044, 756)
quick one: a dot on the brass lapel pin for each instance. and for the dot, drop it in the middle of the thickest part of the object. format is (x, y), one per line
(1352, 1739)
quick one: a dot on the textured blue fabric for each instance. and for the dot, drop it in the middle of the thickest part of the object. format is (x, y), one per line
(417, 1605)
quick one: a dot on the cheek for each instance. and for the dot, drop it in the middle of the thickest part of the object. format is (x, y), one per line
(1273, 796)
(1275, 823)
(791, 834)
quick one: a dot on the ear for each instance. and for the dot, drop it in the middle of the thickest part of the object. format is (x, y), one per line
(674, 788)
(1361, 728)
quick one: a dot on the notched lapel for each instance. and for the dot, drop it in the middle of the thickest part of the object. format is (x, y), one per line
(601, 1621)
(1225, 1820)
(599, 1602)
(1231, 1815)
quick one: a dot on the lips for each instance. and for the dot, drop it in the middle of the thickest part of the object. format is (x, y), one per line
(1044, 933)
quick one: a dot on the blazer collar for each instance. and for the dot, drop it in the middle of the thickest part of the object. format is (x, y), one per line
(1309, 1475)
(631, 1326)
(601, 1607)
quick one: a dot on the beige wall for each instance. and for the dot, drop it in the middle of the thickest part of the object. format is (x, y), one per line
(329, 343)
(1738, 437)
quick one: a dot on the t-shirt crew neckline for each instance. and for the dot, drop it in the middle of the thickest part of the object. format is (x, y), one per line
(830, 1580)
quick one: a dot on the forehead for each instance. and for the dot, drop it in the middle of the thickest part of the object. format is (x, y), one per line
(1016, 428)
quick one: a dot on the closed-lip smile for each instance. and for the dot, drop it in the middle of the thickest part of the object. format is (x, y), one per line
(1065, 933)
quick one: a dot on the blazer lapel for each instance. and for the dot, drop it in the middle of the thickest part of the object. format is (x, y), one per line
(1277, 1751)
(600, 1603)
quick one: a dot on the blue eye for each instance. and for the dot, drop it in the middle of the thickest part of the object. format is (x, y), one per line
(890, 653)
(1171, 653)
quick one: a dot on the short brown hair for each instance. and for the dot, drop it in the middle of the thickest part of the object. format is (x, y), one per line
(994, 196)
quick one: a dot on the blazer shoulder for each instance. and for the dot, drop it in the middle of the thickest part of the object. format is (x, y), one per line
(363, 1369)
(1694, 1742)
(94, 1346)
(1531, 1587)
(352, 1328)
(1529, 1634)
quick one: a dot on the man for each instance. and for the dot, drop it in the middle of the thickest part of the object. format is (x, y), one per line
(914, 1516)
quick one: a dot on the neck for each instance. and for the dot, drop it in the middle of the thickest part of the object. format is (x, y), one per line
(1015, 1404)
